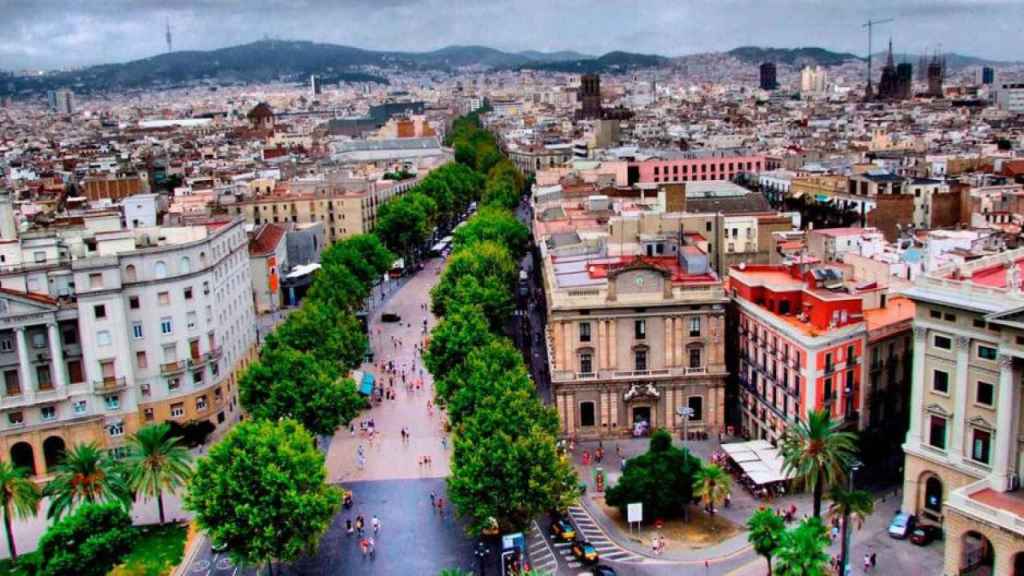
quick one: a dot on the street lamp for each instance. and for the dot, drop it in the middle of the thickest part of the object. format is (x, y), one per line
(845, 554)
(481, 553)
(685, 412)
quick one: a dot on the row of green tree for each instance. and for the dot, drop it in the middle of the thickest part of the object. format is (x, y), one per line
(506, 468)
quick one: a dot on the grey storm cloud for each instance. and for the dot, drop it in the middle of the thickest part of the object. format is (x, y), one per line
(52, 33)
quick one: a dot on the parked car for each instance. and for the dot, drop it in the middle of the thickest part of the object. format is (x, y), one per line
(924, 534)
(563, 530)
(901, 526)
(602, 570)
(390, 317)
(584, 552)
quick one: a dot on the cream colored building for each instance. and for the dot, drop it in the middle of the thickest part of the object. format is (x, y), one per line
(964, 452)
(633, 339)
(102, 331)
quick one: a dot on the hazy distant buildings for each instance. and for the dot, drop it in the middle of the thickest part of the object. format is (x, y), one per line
(986, 75)
(61, 101)
(896, 82)
(769, 79)
(936, 72)
(589, 96)
(1010, 97)
(813, 80)
(316, 85)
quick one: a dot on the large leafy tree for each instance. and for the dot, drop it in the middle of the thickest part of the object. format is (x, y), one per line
(261, 491)
(802, 550)
(501, 192)
(487, 373)
(712, 485)
(488, 293)
(853, 504)
(157, 461)
(338, 288)
(765, 533)
(452, 340)
(495, 225)
(364, 255)
(405, 222)
(505, 465)
(661, 478)
(89, 542)
(817, 453)
(507, 169)
(488, 262)
(19, 496)
(87, 474)
(333, 337)
(286, 383)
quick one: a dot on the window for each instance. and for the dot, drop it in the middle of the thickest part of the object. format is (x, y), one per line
(201, 402)
(177, 410)
(935, 314)
(129, 273)
(584, 331)
(707, 226)
(979, 323)
(95, 281)
(940, 382)
(103, 338)
(197, 377)
(116, 429)
(48, 413)
(695, 326)
(206, 288)
(99, 311)
(39, 256)
(79, 407)
(147, 414)
(949, 317)
(6, 345)
(586, 363)
(694, 358)
(980, 446)
(144, 388)
(166, 327)
(696, 403)
(43, 377)
(75, 372)
(160, 269)
(986, 352)
(587, 417)
(186, 265)
(985, 394)
(640, 329)
(133, 302)
(640, 359)
(942, 342)
(164, 298)
(140, 359)
(191, 320)
(15, 418)
(188, 293)
(112, 401)
(937, 432)
(137, 330)
(39, 340)
(173, 384)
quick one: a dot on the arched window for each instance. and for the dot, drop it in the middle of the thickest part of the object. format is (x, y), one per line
(160, 269)
(186, 265)
(933, 494)
(129, 273)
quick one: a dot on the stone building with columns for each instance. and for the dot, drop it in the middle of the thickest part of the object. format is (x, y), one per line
(104, 329)
(632, 339)
(964, 453)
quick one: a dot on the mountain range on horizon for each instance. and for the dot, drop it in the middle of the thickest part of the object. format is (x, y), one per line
(267, 60)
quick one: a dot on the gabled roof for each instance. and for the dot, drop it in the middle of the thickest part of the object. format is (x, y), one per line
(266, 239)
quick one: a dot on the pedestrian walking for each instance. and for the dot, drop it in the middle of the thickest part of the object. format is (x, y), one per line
(867, 562)
(359, 524)
(348, 526)
(364, 546)
(433, 500)
(444, 442)
(874, 560)
(375, 524)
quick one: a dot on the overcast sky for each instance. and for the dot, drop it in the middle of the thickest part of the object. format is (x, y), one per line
(55, 33)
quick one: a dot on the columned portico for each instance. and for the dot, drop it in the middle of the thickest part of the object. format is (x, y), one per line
(917, 390)
(1009, 396)
(57, 353)
(956, 444)
(24, 366)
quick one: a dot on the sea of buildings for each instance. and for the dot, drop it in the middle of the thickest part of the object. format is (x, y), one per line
(719, 256)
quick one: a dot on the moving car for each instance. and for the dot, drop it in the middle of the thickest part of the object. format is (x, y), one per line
(901, 526)
(602, 570)
(584, 552)
(924, 534)
(563, 530)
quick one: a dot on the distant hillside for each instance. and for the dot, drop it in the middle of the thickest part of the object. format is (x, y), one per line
(791, 56)
(609, 63)
(561, 56)
(954, 61)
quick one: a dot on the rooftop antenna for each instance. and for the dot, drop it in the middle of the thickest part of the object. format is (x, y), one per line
(870, 25)
(170, 44)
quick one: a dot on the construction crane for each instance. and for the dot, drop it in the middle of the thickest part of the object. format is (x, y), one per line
(870, 25)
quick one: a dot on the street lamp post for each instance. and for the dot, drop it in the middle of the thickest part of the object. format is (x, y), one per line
(685, 412)
(845, 554)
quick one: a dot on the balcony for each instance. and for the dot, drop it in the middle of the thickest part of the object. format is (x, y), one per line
(168, 368)
(980, 500)
(614, 375)
(215, 353)
(109, 384)
(198, 361)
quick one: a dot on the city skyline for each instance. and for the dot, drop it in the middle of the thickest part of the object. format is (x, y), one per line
(86, 34)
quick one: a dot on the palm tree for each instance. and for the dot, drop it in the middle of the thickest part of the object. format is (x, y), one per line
(853, 504)
(87, 474)
(156, 462)
(19, 497)
(712, 485)
(817, 453)
(802, 549)
(766, 530)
